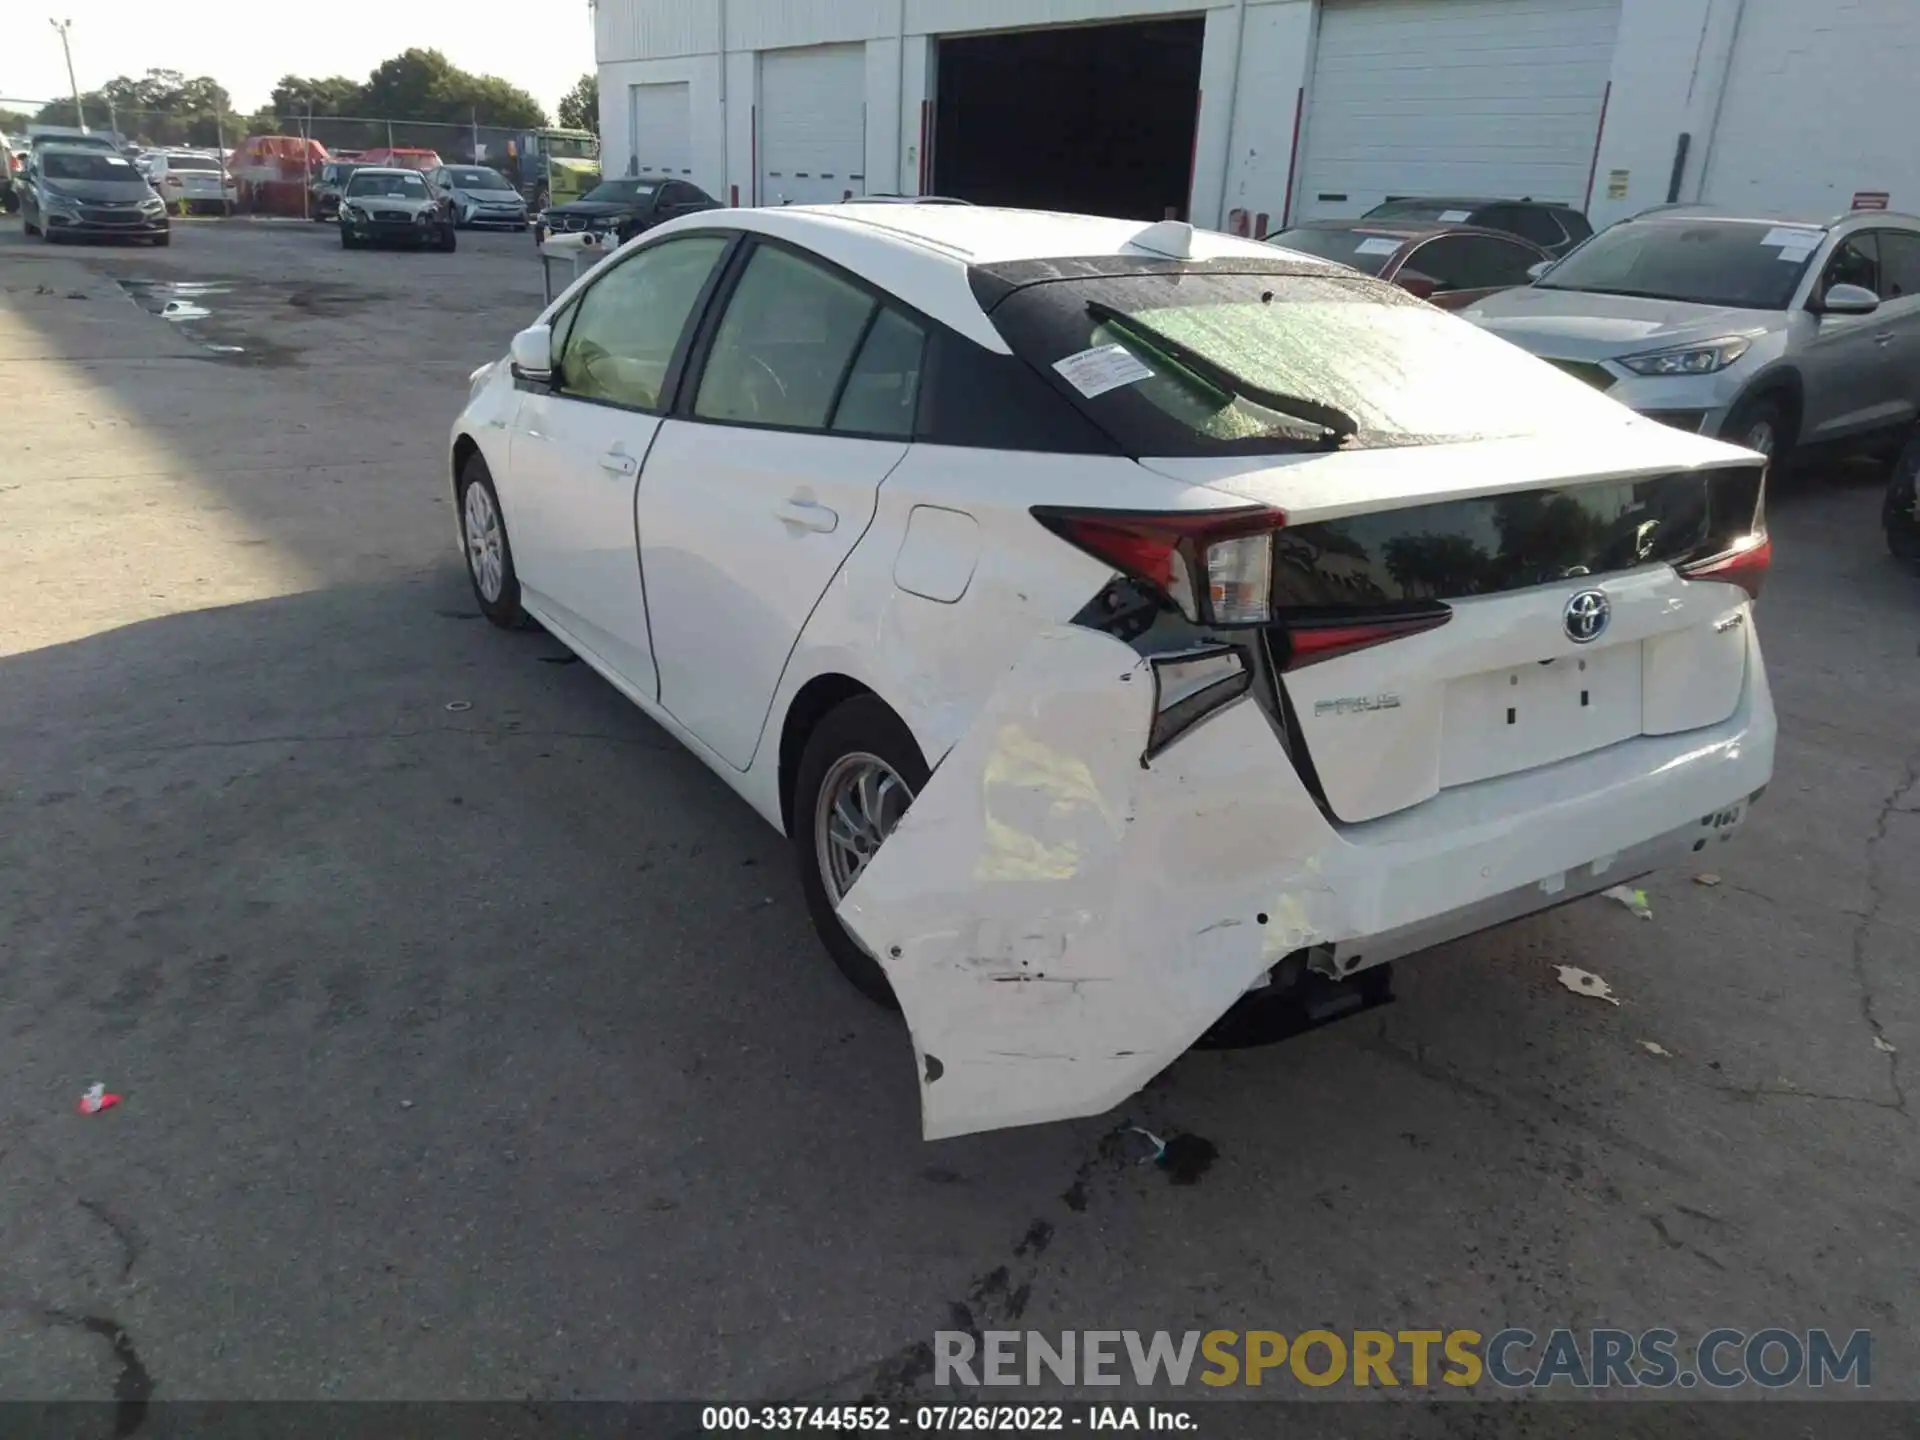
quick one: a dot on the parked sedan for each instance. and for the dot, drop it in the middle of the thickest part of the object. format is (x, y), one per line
(479, 196)
(1768, 333)
(1119, 619)
(329, 181)
(73, 192)
(393, 207)
(618, 210)
(1451, 265)
(1554, 227)
(191, 179)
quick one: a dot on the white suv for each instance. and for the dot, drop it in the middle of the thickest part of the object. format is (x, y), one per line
(1120, 619)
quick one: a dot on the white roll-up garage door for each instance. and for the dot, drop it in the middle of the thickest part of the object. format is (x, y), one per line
(813, 124)
(1497, 98)
(1818, 108)
(662, 120)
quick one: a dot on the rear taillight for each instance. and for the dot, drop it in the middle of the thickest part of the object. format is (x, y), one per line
(1311, 641)
(1215, 566)
(1744, 565)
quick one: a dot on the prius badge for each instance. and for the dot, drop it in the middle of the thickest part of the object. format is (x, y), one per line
(1356, 704)
(1586, 616)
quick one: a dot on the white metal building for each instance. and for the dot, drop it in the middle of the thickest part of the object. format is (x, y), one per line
(1229, 110)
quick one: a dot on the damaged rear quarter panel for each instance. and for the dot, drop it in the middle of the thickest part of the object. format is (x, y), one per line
(1060, 922)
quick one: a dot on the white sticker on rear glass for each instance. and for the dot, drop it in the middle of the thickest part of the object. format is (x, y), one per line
(1792, 237)
(1103, 368)
(1378, 245)
(1453, 217)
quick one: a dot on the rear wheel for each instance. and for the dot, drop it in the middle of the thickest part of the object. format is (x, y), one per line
(483, 531)
(858, 774)
(1900, 512)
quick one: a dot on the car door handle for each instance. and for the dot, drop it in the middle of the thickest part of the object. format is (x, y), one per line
(807, 515)
(614, 463)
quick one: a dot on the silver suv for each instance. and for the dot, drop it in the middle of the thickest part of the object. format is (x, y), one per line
(1768, 333)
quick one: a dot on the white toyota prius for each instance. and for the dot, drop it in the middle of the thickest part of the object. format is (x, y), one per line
(1123, 621)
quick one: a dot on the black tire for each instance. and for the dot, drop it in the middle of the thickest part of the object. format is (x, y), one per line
(163, 240)
(863, 725)
(1900, 511)
(347, 242)
(504, 608)
(1761, 424)
(449, 242)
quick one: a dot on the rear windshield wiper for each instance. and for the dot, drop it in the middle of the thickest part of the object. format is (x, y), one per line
(1338, 424)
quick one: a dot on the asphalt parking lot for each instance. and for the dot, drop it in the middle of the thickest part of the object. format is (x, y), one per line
(474, 1043)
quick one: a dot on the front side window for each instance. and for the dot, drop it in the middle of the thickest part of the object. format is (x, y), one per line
(1855, 262)
(1529, 222)
(1744, 264)
(784, 345)
(1271, 353)
(1899, 264)
(1447, 261)
(624, 331)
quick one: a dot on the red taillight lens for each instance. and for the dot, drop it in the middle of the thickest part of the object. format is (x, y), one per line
(1744, 565)
(1309, 642)
(1214, 565)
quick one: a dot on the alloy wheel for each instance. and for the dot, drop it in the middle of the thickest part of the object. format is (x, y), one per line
(861, 801)
(486, 549)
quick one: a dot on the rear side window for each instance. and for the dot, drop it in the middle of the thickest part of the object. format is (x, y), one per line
(883, 388)
(784, 345)
(1404, 372)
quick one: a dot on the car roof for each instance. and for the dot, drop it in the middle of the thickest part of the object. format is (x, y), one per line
(922, 253)
(79, 149)
(360, 170)
(1688, 214)
(1408, 231)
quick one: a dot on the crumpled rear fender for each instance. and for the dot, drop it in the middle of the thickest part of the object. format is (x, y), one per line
(1061, 921)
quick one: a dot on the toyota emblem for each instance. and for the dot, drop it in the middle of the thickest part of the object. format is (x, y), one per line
(1586, 616)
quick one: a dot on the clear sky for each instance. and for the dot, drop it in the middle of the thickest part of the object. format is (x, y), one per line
(543, 46)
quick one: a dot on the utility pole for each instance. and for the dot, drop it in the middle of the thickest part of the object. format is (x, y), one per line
(475, 112)
(66, 48)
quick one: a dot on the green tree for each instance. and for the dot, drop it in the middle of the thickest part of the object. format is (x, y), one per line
(425, 85)
(580, 106)
(161, 107)
(334, 95)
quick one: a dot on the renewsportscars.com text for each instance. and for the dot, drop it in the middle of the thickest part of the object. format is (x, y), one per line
(1514, 1359)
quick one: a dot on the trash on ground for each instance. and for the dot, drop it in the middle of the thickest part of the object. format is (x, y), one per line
(1706, 879)
(459, 705)
(1885, 1046)
(1634, 900)
(1654, 1047)
(1159, 1145)
(1585, 982)
(97, 1099)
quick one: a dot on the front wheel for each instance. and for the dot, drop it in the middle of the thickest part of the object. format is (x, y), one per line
(1760, 425)
(1900, 511)
(483, 532)
(163, 240)
(448, 241)
(858, 774)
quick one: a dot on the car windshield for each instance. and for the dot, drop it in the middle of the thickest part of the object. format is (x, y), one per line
(406, 186)
(1203, 362)
(564, 148)
(1364, 250)
(478, 179)
(192, 162)
(1746, 264)
(620, 192)
(89, 165)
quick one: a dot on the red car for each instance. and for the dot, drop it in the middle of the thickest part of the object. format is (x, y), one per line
(1450, 265)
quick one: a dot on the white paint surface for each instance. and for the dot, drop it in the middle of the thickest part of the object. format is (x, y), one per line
(813, 124)
(660, 128)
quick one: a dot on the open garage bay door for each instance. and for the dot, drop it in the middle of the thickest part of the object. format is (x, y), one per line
(1498, 98)
(1094, 118)
(662, 121)
(813, 124)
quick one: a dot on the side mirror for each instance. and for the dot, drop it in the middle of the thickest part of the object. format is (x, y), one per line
(1535, 271)
(532, 353)
(1849, 300)
(1421, 287)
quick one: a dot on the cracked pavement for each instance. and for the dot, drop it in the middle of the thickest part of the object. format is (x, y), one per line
(487, 1053)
